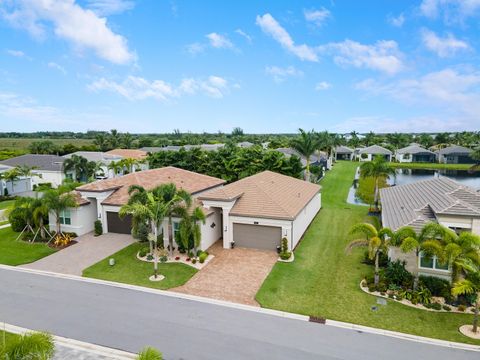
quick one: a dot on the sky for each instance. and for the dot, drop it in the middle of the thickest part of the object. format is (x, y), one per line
(266, 66)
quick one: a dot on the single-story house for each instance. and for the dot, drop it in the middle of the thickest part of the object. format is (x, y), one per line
(260, 210)
(318, 159)
(440, 200)
(455, 155)
(368, 153)
(343, 153)
(414, 153)
(98, 157)
(47, 168)
(135, 154)
(206, 147)
(19, 185)
(245, 144)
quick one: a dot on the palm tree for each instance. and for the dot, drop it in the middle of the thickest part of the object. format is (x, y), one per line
(114, 138)
(467, 286)
(101, 141)
(377, 241)
(127, 140)
(57, 202)
(189, 227)
(462, 253)
(39, 215)
(34, 346)
(79, 165)
(378, 168)
(116, 167)
(26, 171)
(428, 241)
(129, 164)
(11, 175)
(306, 144)
(354, 140)
(28, 205)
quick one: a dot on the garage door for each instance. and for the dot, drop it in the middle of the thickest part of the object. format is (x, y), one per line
(257, 236)
(117, 225)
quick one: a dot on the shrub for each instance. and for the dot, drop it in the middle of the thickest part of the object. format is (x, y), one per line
(33, 346)
(98, 228)
(434, 306)
(149, 353)
(143, 252)
(149, 257)
(424, 295)
(395, 273)
(382, 259)
(372, 287)
(285, 255)
(194, 261)
(461, 308)
(140, 232)
(447, 308)
(191, 254)
(16, 219)
(437, 286)
(202, 257)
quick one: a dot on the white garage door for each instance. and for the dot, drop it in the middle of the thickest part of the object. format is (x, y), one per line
(257, 236)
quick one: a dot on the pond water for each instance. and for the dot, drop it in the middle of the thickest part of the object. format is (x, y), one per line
(408, 176)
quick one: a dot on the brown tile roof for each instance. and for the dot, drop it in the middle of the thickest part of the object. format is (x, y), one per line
(266, 195)
(129, 153)
(187, 180)
(79, 199)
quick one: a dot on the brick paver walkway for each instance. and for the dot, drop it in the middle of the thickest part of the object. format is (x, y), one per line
(233, 275)
(88, 251)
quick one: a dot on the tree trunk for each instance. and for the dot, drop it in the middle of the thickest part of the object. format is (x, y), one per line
(170, 235)
(377, 270)
(416, 275)
(42, 228)
(375, 194)
(475, 316)
(307, 169)
(155, 253)
(58, 224)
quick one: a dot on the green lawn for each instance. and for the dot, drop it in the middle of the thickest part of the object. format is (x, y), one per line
(431, 166)
(5, 204)
(323, 281)
(6, 337)
(128, 269)
(19, 252)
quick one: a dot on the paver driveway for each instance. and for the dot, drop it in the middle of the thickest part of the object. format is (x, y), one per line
(88, 251)
(233, 275)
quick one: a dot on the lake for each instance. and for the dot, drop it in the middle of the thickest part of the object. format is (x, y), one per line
(408, 176)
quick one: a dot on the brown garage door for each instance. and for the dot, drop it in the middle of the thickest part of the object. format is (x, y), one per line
(117, 225)
(257, 236)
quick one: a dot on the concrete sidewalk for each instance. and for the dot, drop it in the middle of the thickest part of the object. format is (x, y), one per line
(88, 251)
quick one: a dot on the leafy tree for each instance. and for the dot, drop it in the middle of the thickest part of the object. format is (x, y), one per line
(127, 140)
(377, 241)
(101, 141)
(44, 147)
(378, 168)
(370, 139)
(354, 140)
(428, 242)
(116, 167)
(306, 144)
(237, 131)
(114, 138)
(470, 285)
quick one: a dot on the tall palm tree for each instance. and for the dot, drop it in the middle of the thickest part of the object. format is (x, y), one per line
(40, 217)
(56, 201)
(28, 205)
(462, 253)
(467, 286)
(129, 164)
(26, 171)
(127, 140)
(190, 229)
(377, 241)
(79, 165)
(306, 144)
(428, 241)
(114, 138)
(377, 168)
(101, 141)
(116, 167)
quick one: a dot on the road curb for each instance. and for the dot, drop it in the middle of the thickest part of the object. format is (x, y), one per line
(77, 345)
(278, 313)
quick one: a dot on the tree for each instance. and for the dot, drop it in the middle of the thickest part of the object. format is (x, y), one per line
(114, 138)
(354, 141)
(306, 144)
(40, 217)
(428, 242)
(127, 140)
(462, 252)
(377, 241)
(470, 285)
(28, 206)
(237, 131)
(101, 141)
(80, 167)
(44, 147)
(370, 138)
(189, 228)
(32, 346)
(11, 175)
(376, 169)
(116, 167)
(57, 202)
(128, 164)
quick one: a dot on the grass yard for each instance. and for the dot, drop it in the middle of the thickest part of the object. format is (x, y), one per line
(431, 166)
(323, 281)
(366, 188)
(19, 252)
(128, 269)
(5, 204)
(6, 337)
(21, 144)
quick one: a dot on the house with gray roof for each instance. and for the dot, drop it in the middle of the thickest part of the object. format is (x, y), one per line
(455, 155)
(206, 147)
(343, 153)
(368, 153)
(414, 153)
(47, 168)
(245, 144)
(318, 159)
(439, 200)
(100, 158)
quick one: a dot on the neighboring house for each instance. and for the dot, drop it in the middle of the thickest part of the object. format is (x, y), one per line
(47, 168)
(440, 200)
(206, 147)
(98, 157)
(368, 153)
(136, 154)
(319, 159)
(414, 153)
(103, 199)
(258, 211)
(343, 153)
(455, 155)
(20, 185)
(245, 144)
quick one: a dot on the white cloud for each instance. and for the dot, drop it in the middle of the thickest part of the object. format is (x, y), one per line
(383, 56)
(138, 88)
(397, 21)
(219, 41)
(15, 53)
(81, 27)
(54, 65)
(453, 11)
(323, 85)
(195, 48)
(280, 74)
(317, 17)
(110, 7)
(271, 27)
(244, 34)
(443, 47)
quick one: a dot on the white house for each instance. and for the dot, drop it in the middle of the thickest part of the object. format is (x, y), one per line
(98, 157)
(268, 207)
(368, 153)
(19, 185)
(414, 153)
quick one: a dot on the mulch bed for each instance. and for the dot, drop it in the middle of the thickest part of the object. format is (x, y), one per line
(51, 245)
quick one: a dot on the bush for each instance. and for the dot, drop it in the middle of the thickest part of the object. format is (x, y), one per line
(149, 353)
(140, 232)
(372, 287)
(33, 346)
(433, 306)
(437, 286)
(382, 259)
(16, 219)
(285, 255)
(447, 308)
(194, 261)
(202, 257)
(461, 308)
(395, 273)
(149, 257)
(98, 228)
(144, 252)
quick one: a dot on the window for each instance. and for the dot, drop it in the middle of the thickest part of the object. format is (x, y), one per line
(176, 229)
(431, 262)
(65, 217)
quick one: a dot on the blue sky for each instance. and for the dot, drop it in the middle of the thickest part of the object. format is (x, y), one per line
(266, 66)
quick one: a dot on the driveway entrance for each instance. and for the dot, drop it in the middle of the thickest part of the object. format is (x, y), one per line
(234, 275)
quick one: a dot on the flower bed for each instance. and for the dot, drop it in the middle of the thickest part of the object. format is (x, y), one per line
(179, 258)
(389, 294)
